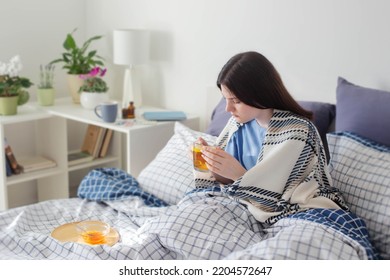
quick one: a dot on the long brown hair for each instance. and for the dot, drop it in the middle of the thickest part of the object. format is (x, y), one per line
(253, 79)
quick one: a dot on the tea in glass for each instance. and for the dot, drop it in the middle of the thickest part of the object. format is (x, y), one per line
(199, 162)
(93, 232)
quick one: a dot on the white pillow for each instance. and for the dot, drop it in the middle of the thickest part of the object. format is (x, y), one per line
(360, 169)
(170, 175)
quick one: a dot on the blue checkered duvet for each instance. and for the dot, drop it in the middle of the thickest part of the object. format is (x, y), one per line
(205, 224)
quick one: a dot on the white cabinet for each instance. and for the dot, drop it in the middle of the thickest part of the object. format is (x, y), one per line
(51, 131)
(37, 133)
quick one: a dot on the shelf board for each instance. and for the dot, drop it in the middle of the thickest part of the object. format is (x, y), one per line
(25, 113)
(92, 163)
(33, 175)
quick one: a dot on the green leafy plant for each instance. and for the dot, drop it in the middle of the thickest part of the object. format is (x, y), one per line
(11, 84)
(93, 81)
(46, 76)
(78, 60)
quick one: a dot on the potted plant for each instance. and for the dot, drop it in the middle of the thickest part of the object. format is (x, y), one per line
(12, 86)
(46, 92)
(78, 60)
(94, 88)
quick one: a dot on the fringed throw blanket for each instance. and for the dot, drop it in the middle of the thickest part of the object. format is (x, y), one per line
(290, 175)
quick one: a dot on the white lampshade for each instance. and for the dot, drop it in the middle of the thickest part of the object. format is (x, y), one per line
(131, 46)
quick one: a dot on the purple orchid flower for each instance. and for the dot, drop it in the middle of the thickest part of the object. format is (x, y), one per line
(96, 71)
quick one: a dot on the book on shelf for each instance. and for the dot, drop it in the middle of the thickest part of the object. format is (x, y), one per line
(94, 140)
(78, 157)
(90, 139)
(34, 163)
(99, 142)
(106, 143)
(15, 166)
(8, 169)
(165, 116)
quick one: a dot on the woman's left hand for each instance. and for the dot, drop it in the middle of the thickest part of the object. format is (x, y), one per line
(222, 163)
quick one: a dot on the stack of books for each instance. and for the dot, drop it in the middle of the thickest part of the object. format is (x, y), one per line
(77, 157)
(35, 163)
(95, 145)
(24, 164)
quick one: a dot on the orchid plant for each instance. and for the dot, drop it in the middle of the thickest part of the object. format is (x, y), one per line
(11, 84)
(78, 60)
(93, 81)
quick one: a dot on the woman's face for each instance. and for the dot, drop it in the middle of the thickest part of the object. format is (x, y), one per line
(240, 111)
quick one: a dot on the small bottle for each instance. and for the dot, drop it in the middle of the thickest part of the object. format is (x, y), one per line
(124, 113)
(131, 110)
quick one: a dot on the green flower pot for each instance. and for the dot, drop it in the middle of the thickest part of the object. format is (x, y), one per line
(8, 105)
(46, 96)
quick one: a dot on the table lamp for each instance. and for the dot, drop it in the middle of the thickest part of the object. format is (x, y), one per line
(131, 48)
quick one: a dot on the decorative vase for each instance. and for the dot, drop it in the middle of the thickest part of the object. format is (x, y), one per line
(8, 105)
(46, 96)
(74, 84)
(89, 100)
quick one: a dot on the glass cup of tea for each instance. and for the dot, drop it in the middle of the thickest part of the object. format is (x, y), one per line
(93, 232)
(198, 160)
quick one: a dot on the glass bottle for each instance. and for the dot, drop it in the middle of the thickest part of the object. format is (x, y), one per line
(131, 110)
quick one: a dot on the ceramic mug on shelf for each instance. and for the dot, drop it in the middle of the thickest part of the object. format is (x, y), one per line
(107, 111)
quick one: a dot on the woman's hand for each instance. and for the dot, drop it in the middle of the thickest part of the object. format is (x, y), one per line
(222, 163)
(200, 140)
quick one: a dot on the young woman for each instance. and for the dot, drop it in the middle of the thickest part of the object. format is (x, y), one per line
(270, 155)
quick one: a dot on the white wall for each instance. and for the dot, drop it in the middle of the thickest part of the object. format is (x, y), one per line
(311, 42)
(35, 30)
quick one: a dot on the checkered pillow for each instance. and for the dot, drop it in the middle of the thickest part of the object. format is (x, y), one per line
(360, 169)
(170, 175)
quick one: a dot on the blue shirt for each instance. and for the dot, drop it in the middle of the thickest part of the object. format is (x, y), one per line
(245, 144)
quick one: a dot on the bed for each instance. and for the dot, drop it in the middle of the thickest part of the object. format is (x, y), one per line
(159, 215)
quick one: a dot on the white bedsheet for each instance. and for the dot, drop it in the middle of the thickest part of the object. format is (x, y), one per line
(201, 226)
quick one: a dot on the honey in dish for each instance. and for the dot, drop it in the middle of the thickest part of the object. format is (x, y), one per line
(93, 237)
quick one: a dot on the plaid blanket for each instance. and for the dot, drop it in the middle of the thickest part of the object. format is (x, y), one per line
(104, 184)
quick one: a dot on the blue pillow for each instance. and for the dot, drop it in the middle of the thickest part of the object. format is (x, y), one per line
(364, 111)
(323, 115)
(219, 118)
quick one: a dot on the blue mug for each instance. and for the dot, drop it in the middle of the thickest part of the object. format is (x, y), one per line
(107, 111)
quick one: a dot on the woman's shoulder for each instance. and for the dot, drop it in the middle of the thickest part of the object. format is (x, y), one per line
(290, 119)
(290, 125)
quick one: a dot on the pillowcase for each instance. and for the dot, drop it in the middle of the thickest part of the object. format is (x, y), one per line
(170, 175)
(219, 118)
(363, 111)
(360, 169)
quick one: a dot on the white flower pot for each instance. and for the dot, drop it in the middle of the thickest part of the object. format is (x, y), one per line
(89, 100)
